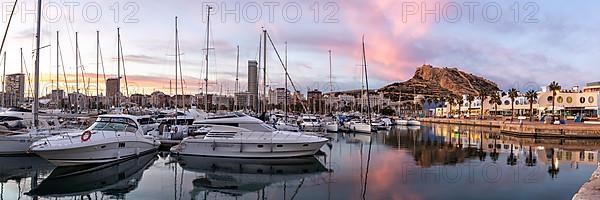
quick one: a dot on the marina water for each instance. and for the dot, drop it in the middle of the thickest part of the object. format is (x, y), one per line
(431, 162)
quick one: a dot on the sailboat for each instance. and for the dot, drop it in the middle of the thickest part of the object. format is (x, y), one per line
(284, 124)
(331, 125)
(12, 143)
(363, 126)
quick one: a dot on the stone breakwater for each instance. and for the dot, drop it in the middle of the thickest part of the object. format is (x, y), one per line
(528, 129)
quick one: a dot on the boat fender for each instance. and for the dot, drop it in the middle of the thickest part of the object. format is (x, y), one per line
(86, 135)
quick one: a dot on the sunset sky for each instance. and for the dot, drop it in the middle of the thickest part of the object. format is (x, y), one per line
(545, 41)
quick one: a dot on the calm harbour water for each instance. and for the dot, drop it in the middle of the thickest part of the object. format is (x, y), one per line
(431, 162)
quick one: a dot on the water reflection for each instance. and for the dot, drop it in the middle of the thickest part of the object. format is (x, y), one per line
(445, 144)
(113, 179)
(19, 170)
(237, 177)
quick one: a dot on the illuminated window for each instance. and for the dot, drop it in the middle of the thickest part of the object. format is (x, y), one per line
(582, 100)
(569, 99)
(591, 99)
(559, 99)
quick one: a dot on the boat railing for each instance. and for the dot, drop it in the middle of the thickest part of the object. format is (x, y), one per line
(70, 136)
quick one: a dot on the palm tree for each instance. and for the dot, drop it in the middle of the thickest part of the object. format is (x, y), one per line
(531, 96)
(482, 96)
(470, 99)
(512, 94)
(451, 102)
(443, 101)
(554, 87)
(495, 100)
(460, 102)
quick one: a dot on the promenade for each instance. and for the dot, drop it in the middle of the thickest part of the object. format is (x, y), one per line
(527, 128)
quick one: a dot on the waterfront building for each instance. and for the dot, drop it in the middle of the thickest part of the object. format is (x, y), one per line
(141, 100)
(245, 100)
(113, 91)
(277, 97)
(572, 102)
(159, 99)
(14, 89)
(253, 84)
(314, 98)
(592, 87)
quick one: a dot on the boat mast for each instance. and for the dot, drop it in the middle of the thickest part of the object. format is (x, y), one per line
(176, 61)
(237, 83)
(76, 72)
(264, 70)
(362, 89)
(57, 63)
(21, 49)
(207, 48)
(3, 79)
(36, 73)
(330, 85)
(366, 81)
(285, 103)
(118, 96)
(97, 70)
(176, 65)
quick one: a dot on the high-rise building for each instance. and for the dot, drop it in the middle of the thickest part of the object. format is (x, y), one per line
(277, 96)
(113, 90)
(314, 101)
(14, 89)
(253, 83)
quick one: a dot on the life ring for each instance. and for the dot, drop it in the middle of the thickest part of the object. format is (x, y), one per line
(86, 135)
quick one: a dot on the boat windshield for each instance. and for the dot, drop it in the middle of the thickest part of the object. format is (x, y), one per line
(114, 124)
(262, 127)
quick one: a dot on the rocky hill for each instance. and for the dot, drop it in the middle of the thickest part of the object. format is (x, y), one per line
(434, 81)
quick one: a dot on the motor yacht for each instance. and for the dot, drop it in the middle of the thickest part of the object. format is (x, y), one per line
(242, 136)
(310, 123)
(110, 138)
(402, 122)
(286, 126)
(331, 124)
(15, 118)
(359, 126)
(413, 122)
(18, 142)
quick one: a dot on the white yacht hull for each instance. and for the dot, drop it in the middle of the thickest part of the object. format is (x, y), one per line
(332, 127)
(247, 150)
(16, 144)
(413, 123)
(96, 153)
(402, 122)
(287, 127)
(361, 128)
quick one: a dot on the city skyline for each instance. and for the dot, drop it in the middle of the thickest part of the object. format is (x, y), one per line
(397, 42)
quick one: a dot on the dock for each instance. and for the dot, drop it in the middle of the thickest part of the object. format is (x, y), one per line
(529, 129)
(590, 189)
